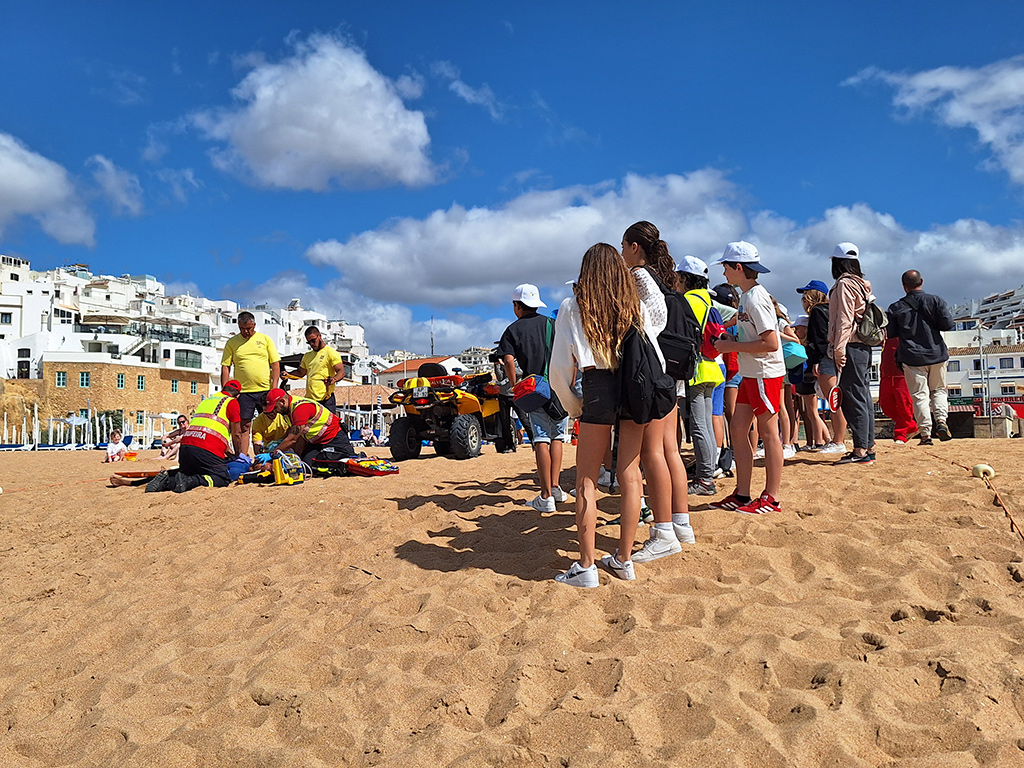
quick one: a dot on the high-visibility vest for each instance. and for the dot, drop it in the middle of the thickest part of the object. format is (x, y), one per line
(318, 423)
(211, 419)
(707, 371)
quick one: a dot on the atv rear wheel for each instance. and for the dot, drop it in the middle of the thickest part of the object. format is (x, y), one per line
(466, 436)
(404, 439)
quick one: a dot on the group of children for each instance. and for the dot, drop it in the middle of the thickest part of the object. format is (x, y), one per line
(619, 294)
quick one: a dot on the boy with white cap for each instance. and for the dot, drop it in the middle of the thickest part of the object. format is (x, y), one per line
(528, 341)
(763, 369)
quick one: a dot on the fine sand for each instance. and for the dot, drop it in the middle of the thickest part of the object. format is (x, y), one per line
(412, 621)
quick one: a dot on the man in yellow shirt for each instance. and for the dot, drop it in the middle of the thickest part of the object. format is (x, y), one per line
(268, 430)
(257, 366)
(323, 368)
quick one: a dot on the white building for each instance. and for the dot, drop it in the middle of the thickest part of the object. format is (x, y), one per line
(71, 313)
(985, 367)
(997, 310)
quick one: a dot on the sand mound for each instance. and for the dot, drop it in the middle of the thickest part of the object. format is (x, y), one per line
(412, 620)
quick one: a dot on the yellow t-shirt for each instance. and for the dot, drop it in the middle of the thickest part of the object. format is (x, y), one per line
(251, 358)
(320, 366)
(266, 428)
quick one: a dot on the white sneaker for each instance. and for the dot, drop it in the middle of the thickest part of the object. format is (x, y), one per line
(579, 577)
(660, 544)
(833, 448)
(559, 495)
(788, 452)
(542, 504)
(623, 570)
(604, 478)
(684, 533)
(759, 453)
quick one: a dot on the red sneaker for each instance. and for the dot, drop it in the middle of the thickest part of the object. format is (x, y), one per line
(732, 502)
(762, 505)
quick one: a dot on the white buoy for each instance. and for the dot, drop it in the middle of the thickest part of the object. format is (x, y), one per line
(984, 471)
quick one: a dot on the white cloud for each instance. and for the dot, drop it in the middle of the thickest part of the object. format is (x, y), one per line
(481, 97)
(121, 188)
(988, 100)
(34, 186)
(321, 117)
(180, 182)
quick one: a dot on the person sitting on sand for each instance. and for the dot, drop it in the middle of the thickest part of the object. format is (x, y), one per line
(171, 442)
(367, 435)
(116, 450)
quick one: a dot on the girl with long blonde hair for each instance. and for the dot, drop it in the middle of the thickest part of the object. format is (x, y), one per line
(589, 332)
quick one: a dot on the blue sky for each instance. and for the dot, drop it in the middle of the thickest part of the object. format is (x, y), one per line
(388, 162)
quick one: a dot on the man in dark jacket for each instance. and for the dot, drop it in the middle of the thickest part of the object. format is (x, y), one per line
(917, 320)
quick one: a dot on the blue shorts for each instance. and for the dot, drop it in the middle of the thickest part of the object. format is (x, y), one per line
(546, 429)
(734, 382)
(827, 367)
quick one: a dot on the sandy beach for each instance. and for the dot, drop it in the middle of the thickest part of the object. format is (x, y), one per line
(412, 620)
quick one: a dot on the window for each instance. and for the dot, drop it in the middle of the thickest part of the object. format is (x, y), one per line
(193, 387)
(15, 277)
(140, 419)
(954, 391)
(83, 412)
(1007, 389)
(979, 390)
(6, 318)
(1022, 362)
(141, 382)
(83, 379)
(23, 353)
(62, 379)
(167, 354)
(977, 364)
(120, 381)
(174, 386)
(187, 358)
(1005, 362)
(953, 366)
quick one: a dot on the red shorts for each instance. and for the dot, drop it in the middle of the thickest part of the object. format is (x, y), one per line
(762, 395)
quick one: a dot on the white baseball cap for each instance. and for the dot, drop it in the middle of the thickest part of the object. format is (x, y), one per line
(846, 251)
(743, 252)
(692, 266)
(802, 320)
(529, 295)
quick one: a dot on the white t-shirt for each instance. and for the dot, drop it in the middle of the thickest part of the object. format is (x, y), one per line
(755, 316)
(115, 448)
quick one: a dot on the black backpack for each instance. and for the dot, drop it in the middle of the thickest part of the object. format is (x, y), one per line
(646, 391)
(680, 341)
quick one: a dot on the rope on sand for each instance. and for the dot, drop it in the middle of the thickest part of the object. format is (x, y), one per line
(999, 498)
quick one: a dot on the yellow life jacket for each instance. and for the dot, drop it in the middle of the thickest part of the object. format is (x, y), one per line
(211, 419)
(318, 423)
(707, 371)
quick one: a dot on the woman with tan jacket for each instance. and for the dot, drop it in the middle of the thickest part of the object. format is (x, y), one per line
(847, 302)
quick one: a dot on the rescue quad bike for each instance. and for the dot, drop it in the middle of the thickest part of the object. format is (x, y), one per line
(457, 414)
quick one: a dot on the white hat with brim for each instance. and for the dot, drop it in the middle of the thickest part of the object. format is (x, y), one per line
(691, 265)
(529, 295)
(744, 253)
(846, 251)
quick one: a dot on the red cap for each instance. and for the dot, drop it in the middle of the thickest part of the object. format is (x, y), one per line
(233, 385)
(274, 396)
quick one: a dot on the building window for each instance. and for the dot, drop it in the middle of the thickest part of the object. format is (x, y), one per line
(954, 391)
(977, 364)
(83, 412)
(6, 318)
(1007, 389)
(83, 379)
(120, 381)
(141, 383)
(193, 387)
(167, 354)
(187, 358)
(23, 353)
(15, 277)
(953, 366)
(979, 390)
(174, 386)
(62, 379)
(1005, 362)
(140, 419)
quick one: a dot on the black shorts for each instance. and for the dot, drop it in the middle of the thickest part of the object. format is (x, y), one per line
(341, 444)
(251, 403)
(601, 395)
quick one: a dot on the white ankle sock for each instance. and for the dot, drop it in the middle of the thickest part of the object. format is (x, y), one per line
(681, 518)
(663, 526)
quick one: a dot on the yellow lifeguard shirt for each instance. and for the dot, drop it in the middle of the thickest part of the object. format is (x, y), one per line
(251, 359)
(266, 428)
(320, 366)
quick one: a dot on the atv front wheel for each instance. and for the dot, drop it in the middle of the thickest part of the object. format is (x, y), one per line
(466, 438)
(404, 439)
